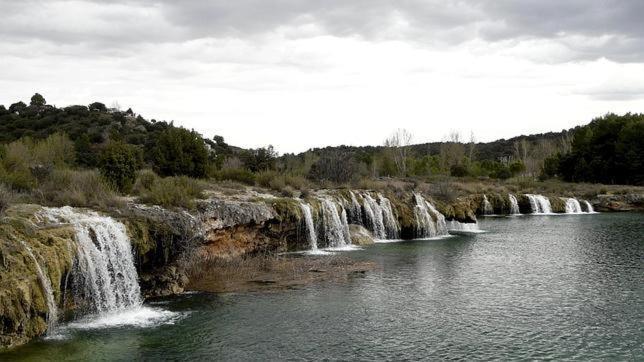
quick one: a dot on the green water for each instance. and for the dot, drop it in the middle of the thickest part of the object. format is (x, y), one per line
(533, 287)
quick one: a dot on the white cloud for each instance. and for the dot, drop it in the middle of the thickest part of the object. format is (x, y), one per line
(298, 85)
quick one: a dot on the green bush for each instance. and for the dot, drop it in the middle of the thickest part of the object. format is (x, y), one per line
(179, 151)
(84, 188)
(179, 191)
(264, 178)
(236, 174)
(145, 179)
(118, 164)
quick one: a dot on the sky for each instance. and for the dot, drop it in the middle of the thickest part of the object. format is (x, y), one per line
(300, 74)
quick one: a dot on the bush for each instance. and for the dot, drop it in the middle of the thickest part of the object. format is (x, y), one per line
(179, 191)
(118, 164)
(236, 174)
(179, 151)
(459, 170)
(265, 178)
(145, 179)
(84, 188)
(7, 197)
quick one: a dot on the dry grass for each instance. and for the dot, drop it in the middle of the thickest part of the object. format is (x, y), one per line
(84, 188)
(7, 197)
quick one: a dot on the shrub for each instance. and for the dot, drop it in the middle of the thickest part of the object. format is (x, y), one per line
(179, 151)
(145, 179)
(297, 182)
(118, 164)
(179, 191)
(84, 188)
(459, 170)
(238, 175)
(7, 197)
(264, 178)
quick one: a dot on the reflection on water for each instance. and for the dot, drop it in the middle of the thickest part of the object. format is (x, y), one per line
(547, 287)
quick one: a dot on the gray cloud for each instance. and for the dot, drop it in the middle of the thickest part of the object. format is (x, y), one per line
(591, 29)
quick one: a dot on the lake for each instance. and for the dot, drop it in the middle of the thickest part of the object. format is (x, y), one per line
(531, 287)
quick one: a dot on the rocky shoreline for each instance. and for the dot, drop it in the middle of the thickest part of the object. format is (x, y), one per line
(223, 230)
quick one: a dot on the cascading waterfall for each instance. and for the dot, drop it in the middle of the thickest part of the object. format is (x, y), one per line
(380, 217)
(104, 275)
(336, 231)
(345, 225)
(426, 227)
(487, 207)
(52, 308)
(573, 206)
(441, 225)
(589, 207)
(514, 205)
(373, 215)
(355, 210)
(539, 204)
(391, 225)
(310, 227)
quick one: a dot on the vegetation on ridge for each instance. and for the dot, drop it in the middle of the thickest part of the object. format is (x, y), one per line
(91, 155)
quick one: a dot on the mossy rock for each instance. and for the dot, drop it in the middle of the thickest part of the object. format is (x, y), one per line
(557, 204)
(287, 209)
(360, 235)
(23, 306)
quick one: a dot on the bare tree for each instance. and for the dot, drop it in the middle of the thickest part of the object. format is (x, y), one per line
(398, 143)
(452, 150)
(471, 147)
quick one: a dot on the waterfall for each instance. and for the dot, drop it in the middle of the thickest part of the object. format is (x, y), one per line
(456, 227)
(310, 228)
(441, 225)
(573, 206)
(426, 227)
(345, 226)
(373, 215)
(424, 223)
(380, 217)
(487, 207)
(336, 231)
(539, 204)
(104, 275)
(52, 308)
(589, 207)
(514, 205)
(391, 225)
(355, 210)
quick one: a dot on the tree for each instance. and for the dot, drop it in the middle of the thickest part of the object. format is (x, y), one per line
(97, 107)
(179, 151)
(471, 147)
(336, 166)
(119, 163)
(398, 144)
(37, 100)
(260, 159)
(452, 151)
(17, 107)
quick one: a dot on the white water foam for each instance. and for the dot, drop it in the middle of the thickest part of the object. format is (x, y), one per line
(514, 205)
(141, 317)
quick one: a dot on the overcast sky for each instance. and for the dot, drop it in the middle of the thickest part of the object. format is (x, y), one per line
(299, 74)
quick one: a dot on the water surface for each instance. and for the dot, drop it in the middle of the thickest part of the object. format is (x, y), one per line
(532, 287)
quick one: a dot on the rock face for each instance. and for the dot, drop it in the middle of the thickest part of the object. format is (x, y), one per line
(23, 299)
(360, 235)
